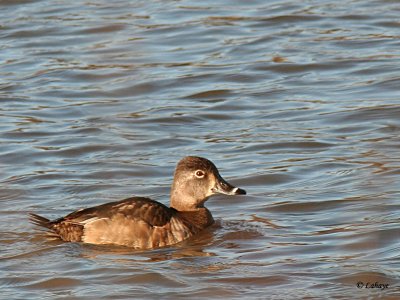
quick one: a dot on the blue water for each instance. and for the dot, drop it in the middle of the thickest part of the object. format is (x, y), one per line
(296, 102)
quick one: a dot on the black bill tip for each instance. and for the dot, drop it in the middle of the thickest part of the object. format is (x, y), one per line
(238, 191)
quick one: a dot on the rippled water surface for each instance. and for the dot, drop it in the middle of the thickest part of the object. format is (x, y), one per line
(298, 102)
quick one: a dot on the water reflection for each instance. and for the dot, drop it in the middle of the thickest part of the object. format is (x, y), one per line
(123, 255)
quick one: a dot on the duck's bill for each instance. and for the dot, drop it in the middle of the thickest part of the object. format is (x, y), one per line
(222, 187)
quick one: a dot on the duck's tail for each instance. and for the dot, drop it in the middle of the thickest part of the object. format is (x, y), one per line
(45, 224)
(40, 221)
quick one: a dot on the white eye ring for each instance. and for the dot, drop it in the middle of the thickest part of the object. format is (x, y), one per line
(199, 174)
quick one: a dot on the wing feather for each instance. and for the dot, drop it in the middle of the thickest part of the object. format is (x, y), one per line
(134, 208)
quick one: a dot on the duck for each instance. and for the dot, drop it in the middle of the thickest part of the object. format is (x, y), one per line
(143, 223)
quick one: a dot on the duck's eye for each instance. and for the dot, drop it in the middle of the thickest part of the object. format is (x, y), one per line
(199, 174)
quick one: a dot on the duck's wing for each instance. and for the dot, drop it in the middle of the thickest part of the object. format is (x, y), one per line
(136, 208)
(126, 222)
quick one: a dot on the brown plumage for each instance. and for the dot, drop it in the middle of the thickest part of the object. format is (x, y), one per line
(143, 223)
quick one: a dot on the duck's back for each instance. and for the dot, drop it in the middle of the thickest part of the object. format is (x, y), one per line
(135, 222)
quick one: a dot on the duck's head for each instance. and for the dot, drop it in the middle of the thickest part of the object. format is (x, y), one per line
(195, 180)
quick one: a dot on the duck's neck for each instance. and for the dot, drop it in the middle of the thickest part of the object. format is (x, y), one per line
(185, 202)
(190, 209)
(199, 218)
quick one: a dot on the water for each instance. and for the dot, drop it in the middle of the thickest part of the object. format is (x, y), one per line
(296, 102)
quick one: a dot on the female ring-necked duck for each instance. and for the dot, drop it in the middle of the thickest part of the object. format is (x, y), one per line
(143, 223)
